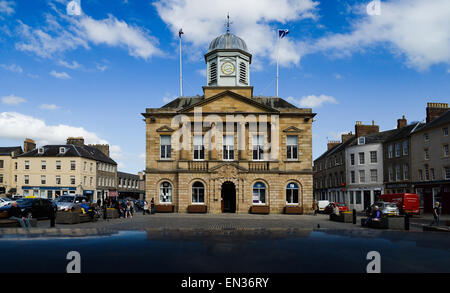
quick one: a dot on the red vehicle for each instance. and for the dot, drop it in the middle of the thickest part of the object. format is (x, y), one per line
(342, 207)
(406, 202)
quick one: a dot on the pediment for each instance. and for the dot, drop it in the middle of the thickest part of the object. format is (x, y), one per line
(227, 169)
(165, 128)
(229, 102)
(292, 129)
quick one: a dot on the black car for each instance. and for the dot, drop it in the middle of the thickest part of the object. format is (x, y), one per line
(38, 208)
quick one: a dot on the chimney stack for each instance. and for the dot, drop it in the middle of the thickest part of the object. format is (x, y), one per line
(434, 110)
(332, 143)
(104, 148)
(402, 122)
(28, 145)
(363, 130)
(76, 141)
(346, 136)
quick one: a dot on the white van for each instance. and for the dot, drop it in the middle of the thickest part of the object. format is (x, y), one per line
(322, 204)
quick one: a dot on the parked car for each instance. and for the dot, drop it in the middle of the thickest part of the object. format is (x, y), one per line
(330, 208)
(68, 202)
(17, 196)
(4, 201)
(406, 202)
(386, 208)
(34, 207)
(322, 204)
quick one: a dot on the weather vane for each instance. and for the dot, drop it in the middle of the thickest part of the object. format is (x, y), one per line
(228, 23)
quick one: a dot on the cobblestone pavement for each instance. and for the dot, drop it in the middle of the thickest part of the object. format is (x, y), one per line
(220, 221)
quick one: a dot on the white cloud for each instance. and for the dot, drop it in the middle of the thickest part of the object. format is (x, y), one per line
(49, 107)
(60, 75)
(12, 68)
(101, 68)
(17, 126)
(202, 72)
(337, 76)
(12, 100)
(168, 98)
(313, 101)
(113, 32)
(416, 29)
(33, 76)
(7, 7)
(63, 33)
(73, 65)
(255, 21)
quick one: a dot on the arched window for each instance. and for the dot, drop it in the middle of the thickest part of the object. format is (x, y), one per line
(165, 192)
(259, 193)
(292, 193)
(198, 192)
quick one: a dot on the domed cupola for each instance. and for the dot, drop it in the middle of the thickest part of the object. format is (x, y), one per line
(228, 41)
(228, 61)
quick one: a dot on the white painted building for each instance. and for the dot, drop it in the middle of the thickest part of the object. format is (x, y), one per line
(364, 170)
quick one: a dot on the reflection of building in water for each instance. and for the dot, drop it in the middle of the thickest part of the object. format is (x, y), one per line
(218, 235)
(244, 153)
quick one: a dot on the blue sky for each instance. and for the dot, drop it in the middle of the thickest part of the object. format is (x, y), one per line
(93, 74)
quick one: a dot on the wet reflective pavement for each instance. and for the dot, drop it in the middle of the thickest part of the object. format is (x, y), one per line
(224, 251)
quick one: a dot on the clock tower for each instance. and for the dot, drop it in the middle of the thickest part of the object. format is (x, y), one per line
(228, 62)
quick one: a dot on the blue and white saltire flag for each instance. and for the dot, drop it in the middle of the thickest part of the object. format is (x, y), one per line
(282, 33)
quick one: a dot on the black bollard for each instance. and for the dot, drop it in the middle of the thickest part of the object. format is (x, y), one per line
(354, 216)
(52, 218)
(406, 221)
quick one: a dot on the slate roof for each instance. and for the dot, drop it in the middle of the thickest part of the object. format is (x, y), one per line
(378, 137)
(127, 175)
(403, 132)
(336, 148)
(439, 121)
(72, 151)
(6, 151)
(184, 102)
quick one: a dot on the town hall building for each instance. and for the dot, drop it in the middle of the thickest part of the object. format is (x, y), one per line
(228, 151)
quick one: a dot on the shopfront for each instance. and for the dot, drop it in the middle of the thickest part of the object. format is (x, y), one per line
(47, 192)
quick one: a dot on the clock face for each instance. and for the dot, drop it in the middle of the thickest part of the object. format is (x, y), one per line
(228, 68)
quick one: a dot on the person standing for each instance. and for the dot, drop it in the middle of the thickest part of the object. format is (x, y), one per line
(15, 213)
(315, 207)
(436, 213)
(131, 206)
(145, 208)
(152, 206)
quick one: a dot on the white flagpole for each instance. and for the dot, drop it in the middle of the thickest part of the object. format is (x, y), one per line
(181, 71)
(278, 40)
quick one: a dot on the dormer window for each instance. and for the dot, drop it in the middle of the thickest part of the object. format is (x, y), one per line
(41, 151)
(62, 150)
(361, 140)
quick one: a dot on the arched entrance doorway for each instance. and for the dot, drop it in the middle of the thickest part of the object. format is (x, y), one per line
(228, 197)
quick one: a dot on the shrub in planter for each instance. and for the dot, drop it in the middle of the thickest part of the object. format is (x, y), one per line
(196, 208)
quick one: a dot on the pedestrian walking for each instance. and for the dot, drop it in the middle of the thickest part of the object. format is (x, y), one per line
(315, 207)
(145, 209)
(436, 213)
(128, 210)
